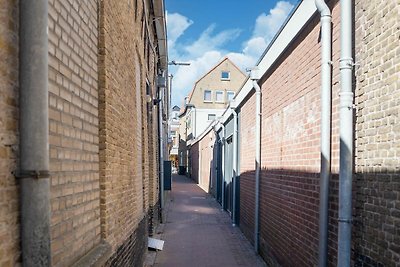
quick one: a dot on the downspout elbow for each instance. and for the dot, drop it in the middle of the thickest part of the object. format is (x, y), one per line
(256, 86)
(323, 8)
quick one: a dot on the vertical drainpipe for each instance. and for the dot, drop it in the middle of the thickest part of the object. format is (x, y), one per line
(34, 143)
(326, 92)
(161, 85)
(223, 167)
(254, 76)
(346, 134)
(194, 122)
(234, 160)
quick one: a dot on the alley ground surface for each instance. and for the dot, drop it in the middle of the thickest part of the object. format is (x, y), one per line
(198, 233)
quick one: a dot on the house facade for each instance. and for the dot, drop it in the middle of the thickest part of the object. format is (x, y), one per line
(207, 101)
(79, 174)
(269, 175)
(174, 137)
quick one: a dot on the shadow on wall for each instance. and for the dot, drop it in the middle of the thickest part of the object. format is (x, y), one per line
(289, 216)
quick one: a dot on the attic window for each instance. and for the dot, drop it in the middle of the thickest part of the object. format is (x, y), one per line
(225, 75)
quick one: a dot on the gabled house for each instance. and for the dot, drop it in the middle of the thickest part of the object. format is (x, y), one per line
(210, 96)
(207, 101)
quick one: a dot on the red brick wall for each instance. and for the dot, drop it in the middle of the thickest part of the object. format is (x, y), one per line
(290, 160)
(247, 167)
(202, 156)
(207, 163)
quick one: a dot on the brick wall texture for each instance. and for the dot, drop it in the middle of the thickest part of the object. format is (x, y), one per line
(290, 145)
(377, 133)
(128, 184)
(9, 204)
(73, 129)
(290, 155)
(203, 165)
(103, 135)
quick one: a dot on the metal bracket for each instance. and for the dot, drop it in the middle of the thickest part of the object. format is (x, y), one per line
(36, 174)
(345, 220)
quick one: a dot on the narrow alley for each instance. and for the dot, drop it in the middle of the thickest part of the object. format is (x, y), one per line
(277, 123)
(198, 233)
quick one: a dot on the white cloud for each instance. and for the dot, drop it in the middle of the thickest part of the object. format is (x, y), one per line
(186, 76)
(177, 25)
(267, 25)
(208, 41)
(208, 50)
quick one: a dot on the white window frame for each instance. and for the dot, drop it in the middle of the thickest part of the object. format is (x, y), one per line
(204, 96)
(229, 75)
(222, 99)
(227, 95)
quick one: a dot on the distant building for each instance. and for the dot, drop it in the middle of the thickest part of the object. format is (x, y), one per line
(173, 135)
(207, 101)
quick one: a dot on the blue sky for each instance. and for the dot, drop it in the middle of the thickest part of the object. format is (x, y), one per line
(203, 32)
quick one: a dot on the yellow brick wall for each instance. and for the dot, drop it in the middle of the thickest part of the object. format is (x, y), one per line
(9, 225)
(74, 129)
(377, 133)
(126, 153)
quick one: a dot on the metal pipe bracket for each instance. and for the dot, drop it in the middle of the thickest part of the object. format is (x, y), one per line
(36, 174)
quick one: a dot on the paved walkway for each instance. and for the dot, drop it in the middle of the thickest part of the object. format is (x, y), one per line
(198, 233)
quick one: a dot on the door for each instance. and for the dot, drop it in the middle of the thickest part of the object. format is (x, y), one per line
(228, 174)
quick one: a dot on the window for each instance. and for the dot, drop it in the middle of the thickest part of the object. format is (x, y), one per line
(211, 117)
(219, 96)
(207, 96)
(225, 75)
(230, 95)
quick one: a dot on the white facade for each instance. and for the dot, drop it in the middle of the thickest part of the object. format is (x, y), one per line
(198, 120)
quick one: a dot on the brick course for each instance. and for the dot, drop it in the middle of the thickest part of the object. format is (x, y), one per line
(128, 186)
(377, 161)
(289, 189)
(103, 144)
(74, 127)
(290, 157)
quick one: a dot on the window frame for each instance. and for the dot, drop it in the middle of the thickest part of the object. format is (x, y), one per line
(227, 95)
(223, 96)
(212, 114)
(223, 78)
(204, 96)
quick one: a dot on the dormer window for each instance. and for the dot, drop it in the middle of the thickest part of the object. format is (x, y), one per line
(225, 75)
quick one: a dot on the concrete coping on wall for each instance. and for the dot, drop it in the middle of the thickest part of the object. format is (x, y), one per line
(96, 256)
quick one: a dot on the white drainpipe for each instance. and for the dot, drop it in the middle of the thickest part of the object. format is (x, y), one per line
(234, 159)
(346, 134)
(254, 76)
(223, 167)
(326, 92)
